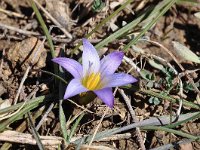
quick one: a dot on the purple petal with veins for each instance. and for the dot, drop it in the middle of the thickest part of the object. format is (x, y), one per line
(111, 62)
(106, 96)
(74, 87)
(70, 65)
(118, 79)
(90, 58)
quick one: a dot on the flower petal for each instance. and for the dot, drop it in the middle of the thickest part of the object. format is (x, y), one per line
(90, 58)
(106, 96)
(118, 79)
(70, 65)
(111, 62)
(74, 87)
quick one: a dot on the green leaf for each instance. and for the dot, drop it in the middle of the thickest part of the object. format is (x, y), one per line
(62, 121)
(154, 100)
(147, 75)
(156, 65)
(98, 5)
(185, 52)
(75, 126)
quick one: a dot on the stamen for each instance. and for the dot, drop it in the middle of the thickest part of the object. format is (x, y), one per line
(92, 81)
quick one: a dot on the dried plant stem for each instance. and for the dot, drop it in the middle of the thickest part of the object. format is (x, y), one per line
(97, 128)
(128, 60)
(132, 112)
(25, 32)
(44, 116)
(27, 71)
(10, 13)
(24, 138)
(54, 20)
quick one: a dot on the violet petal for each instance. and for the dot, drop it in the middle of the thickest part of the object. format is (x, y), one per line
(90, 58)
(70, 65)
(106, 96)
(111, 62)
(74, 87)
(118, 79)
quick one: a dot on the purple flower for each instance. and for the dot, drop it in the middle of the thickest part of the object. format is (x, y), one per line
(95, 75)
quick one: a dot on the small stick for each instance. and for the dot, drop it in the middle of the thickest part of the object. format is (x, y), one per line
(53, 20)
(26, 73)
(128, 60)
(97, 128)
(44, 116)
(132, 112)
(2, 61)
(10, 13)
(24, 138)
(17, 29)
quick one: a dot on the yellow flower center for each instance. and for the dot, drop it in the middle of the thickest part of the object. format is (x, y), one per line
(92, 81)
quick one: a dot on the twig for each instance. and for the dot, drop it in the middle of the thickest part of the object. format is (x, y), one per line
(10, 13)
(2, 61)
(44, 116)
(17, 29)
(54, 20)
(97, 128)
(132, 112)
(24, 138)
(27, 71)
(82, 107)
(128, 60)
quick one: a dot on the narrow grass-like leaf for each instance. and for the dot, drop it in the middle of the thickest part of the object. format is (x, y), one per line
(61, 112)
(62, 121)
(103, 22)
(22, 127)
(56, 76)
(121, 31)
(75, 126)
(147, 27)
(44, 27)
(46, 32)
(177, 132)
(184, 121)
(19, 115)
(37, 101)
(185, 52)
(163, 120)
(169, 98)
(35, 134)
(189, 1)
